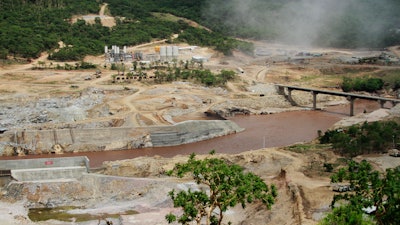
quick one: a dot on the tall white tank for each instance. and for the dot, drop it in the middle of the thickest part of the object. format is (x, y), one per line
(105, 49)
(124, 49)
(163, 51)
(169, 51)
(175, 51)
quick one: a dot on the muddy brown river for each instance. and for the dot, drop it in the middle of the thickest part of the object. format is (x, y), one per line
(273, 130)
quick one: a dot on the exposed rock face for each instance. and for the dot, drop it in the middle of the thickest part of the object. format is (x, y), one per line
(89, 191)
(229, 112)
(24, 113)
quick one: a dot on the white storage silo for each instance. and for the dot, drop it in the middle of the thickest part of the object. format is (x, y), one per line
(163, 52)
(175, 51)
(169, 51)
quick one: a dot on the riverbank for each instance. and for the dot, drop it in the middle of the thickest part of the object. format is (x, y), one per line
(49, 99)
(140, 185)
(60, 141)
(261, 131)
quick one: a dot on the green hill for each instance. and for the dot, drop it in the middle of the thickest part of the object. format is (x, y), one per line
(29, 27)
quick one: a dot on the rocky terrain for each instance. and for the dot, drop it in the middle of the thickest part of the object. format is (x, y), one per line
(47, 99)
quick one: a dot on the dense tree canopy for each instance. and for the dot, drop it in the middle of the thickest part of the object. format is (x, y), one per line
(31, 27)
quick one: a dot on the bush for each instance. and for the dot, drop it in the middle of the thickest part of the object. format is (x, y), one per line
(67, 54)
(365, 138)
(87, 65)
(396, 84)
(362, 84)
(328, 167)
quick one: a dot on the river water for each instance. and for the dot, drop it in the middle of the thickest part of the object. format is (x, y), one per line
(273, 130)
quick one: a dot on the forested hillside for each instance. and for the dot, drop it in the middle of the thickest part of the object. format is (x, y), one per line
(29, 27)
(332, 23)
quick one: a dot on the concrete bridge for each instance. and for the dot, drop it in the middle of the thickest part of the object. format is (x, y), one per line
(287, 91)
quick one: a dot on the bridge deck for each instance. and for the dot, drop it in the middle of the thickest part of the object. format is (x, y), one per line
(337, 93)
(350, 96)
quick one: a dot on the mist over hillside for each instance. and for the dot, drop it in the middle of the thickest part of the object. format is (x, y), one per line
(341, 23)
(32, 27)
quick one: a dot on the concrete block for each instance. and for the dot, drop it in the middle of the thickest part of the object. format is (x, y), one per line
(48, 173)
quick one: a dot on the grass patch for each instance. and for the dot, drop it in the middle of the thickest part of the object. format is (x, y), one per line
(240, 96)
(303, 148)
(18, 77)
(390, 77)
(347, 70)
(172, 18)
(62, 214)
(166, 16)
(309, 78)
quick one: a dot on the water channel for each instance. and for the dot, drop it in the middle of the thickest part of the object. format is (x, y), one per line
(261, 131)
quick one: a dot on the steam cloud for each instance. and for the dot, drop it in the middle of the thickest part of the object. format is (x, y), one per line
(310, 22)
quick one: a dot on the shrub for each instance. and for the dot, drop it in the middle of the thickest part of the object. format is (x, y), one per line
(362, 84)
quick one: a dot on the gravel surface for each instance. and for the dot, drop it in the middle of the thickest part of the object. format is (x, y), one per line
(22, 114)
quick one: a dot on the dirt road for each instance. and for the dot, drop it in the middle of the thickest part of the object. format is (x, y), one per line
(304, 187)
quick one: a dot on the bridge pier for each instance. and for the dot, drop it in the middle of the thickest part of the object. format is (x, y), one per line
(281, 90)
(314, 93)
(382, 103)
(350, 96)
(289, 96)
(351, 105)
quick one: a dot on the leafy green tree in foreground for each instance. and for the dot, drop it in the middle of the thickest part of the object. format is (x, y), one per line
(227, 185)
(371, 191)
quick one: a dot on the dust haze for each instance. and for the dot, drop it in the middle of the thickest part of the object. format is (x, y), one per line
(310, 22)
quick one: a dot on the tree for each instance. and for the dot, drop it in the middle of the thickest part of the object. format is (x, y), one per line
(369, 190)
(226, 185)
(378, 136)
(346, 215)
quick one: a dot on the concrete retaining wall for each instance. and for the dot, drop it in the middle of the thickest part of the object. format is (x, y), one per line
(49, 173)
(46, 168)
(103, 139)
(40, 163)
(192, 131)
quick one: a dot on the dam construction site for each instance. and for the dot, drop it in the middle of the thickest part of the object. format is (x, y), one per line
(259, 112)
(54, 120)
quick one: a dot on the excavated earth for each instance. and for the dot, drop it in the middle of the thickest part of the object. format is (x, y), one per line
(47, 99)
